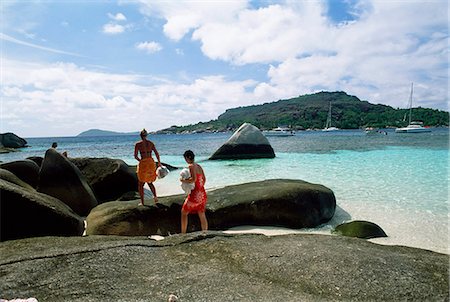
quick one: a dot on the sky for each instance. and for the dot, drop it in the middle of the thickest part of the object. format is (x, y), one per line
(70, 66)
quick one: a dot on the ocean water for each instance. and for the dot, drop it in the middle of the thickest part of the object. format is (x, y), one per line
(399, 181)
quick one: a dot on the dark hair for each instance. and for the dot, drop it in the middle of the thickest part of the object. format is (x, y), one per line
(143, 133)
(189, 155)
(54, 145)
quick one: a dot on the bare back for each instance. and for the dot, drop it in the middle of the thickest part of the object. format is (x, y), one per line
(196, 169)
(144, 148)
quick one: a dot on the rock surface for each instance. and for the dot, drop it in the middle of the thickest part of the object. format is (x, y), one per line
(11, 140)
(360, 229)
(37, 159)
(27, 213)
(61, 179)
(217, 267)
(27, 170)
(109, 178)
(279, 202)
(10, 177)
(247, 142)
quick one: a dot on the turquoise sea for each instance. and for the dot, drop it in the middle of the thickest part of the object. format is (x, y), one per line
(399, 181)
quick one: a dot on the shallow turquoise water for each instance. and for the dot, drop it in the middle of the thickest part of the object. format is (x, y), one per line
(397, 181)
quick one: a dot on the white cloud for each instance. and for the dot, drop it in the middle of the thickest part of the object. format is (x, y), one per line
(64, 99)
(117, 17)
(184, 15)
(389, 45)
(149, 47)
(113, 29)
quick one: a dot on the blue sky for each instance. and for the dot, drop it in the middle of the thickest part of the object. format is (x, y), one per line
(69, 66)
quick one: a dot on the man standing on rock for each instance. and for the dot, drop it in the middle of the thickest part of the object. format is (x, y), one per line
(146, 169)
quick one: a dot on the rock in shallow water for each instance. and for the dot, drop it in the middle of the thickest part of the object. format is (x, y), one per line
(11, 140)
(247, 142)
(360, 229)
(278, 202)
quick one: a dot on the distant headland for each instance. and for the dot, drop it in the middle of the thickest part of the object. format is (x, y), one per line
(98, 132)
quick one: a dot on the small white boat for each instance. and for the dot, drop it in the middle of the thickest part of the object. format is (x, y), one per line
(371, 130)
(374, 131)
(331, 129)
(413, 127)
(328, 127)
(279, 131)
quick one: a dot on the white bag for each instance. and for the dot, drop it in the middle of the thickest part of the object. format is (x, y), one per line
(186, 186)
(162, 171)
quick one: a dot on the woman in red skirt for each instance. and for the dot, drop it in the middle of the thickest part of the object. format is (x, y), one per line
(195, 203)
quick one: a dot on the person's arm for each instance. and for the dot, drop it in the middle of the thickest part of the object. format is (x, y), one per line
(136, 149)
(157, 155)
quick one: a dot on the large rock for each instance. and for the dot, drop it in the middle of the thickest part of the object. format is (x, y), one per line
(360, 229)
(27, 213)
(109, 178)
(27, 170)
(287, 203)
(10, 140)
(61, 179)
(10, 177)
(218, 267)
(37, 159)
(247, 142)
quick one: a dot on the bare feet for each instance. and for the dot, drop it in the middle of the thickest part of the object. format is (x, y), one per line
(155, 199)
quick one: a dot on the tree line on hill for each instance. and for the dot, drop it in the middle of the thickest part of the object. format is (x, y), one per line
(311, 111)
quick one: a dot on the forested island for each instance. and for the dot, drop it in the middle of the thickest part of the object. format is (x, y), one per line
(310, 112)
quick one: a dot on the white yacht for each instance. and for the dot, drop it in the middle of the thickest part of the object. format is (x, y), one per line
(413, 127)
(328, 127)
(279, 131)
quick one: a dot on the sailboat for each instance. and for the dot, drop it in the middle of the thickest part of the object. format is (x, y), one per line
(328, 127)
(413, 127)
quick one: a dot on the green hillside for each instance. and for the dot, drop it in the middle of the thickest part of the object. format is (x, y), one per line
(311, 111)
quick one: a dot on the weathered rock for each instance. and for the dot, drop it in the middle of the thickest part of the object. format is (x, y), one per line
(12, 178)
(61, 179)
(218, 267)
(360, 229)
(109, 178)
(27, 170)
(37, 159)
(27, 213)
(247, 142)
(10, 140)
(287, 203)
(132, 195)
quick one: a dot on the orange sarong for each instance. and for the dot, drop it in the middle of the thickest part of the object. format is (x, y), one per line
(146, 170)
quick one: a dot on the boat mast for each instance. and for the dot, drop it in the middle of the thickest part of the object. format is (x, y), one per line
(328, 125)
(410, 103)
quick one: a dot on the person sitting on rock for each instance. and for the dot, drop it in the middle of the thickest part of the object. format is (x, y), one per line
(55, 145)
(146, 169)
(195, 202)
